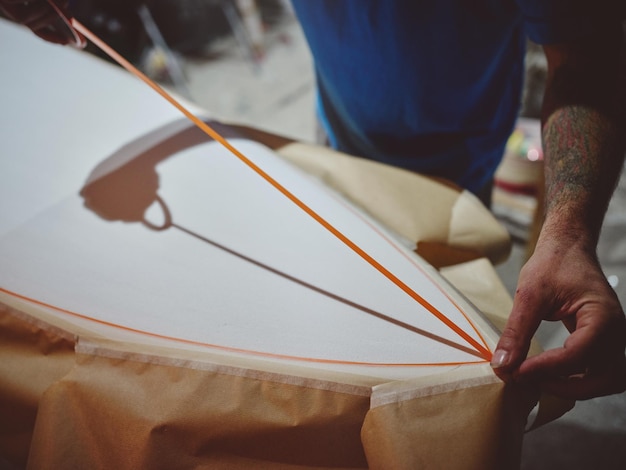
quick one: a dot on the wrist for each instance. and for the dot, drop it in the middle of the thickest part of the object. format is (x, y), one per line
(567, 234)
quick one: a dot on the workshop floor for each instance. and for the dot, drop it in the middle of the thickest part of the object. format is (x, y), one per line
(277, 94)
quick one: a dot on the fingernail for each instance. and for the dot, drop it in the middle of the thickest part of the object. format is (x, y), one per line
(500, 358)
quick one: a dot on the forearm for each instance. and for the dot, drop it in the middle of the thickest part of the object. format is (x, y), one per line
(583, 136)
(584, 155)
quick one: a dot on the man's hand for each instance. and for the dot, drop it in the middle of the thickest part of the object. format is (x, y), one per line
(584, 145)
(40, 17)
(563, 281)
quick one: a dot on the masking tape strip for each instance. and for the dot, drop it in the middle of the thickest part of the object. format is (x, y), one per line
(229, 348)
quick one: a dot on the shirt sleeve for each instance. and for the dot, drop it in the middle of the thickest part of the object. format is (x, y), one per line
(553, 21)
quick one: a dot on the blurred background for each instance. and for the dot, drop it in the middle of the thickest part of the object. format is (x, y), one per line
(247, 61)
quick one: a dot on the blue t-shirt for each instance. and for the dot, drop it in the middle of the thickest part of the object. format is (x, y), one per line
(433, 86)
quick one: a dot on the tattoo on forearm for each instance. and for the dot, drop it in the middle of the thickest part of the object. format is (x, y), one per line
(583, 159)
(583, 129)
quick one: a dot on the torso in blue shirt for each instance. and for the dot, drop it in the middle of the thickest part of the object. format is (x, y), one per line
(428, 85)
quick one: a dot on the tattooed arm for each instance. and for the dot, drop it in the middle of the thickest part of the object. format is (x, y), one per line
(583, 133)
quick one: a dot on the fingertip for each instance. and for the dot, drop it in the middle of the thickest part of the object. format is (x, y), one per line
(502, 365)
(500, 359)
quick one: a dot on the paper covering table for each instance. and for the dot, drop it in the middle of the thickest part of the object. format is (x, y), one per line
(162, 307)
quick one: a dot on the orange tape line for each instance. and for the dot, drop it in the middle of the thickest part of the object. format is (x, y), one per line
(229, 348)
(212, 133)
